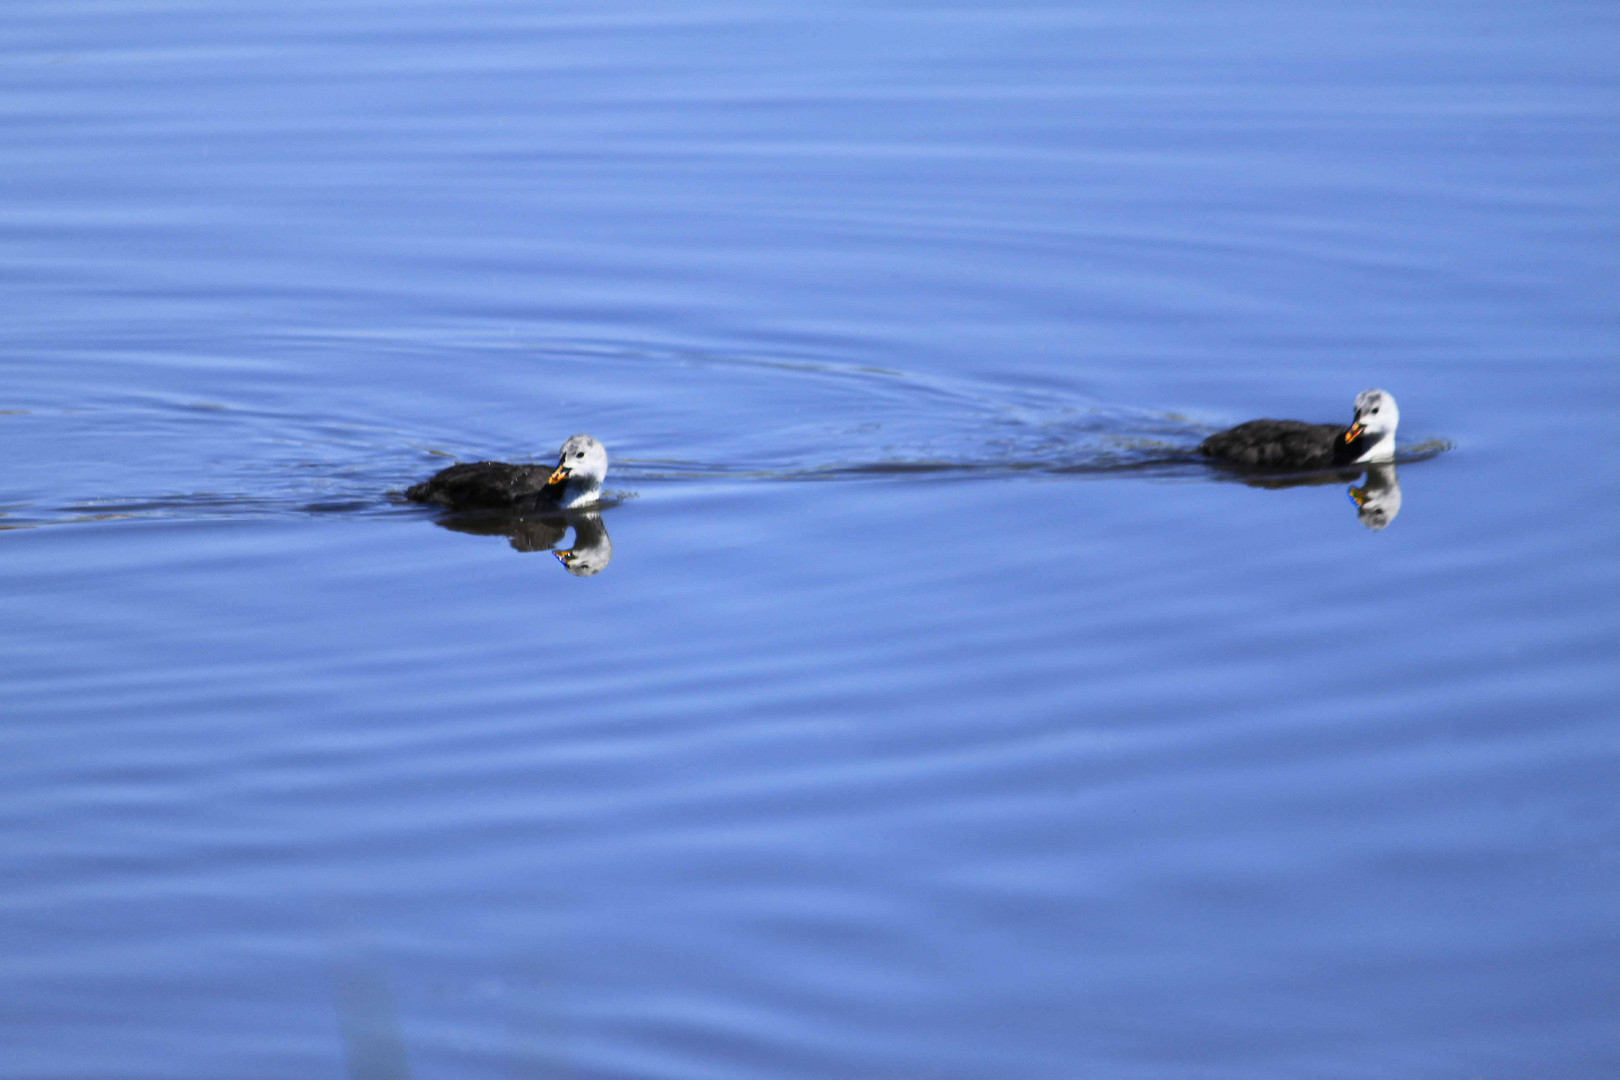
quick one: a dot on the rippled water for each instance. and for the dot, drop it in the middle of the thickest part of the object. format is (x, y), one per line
(931, 710)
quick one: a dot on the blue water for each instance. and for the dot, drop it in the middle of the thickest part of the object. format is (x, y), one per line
(933, 712)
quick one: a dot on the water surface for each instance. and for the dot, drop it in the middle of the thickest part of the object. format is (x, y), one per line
(936, 714)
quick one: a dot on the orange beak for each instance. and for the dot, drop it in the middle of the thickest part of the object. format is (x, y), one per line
(559, 476)
(1354, 433)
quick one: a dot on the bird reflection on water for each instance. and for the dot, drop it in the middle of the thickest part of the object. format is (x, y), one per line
(588, 556)
(1377, 498)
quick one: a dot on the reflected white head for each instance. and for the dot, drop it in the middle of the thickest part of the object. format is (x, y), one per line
(1378, 500)
(1376, 418)
(592, 549)
(581, 467)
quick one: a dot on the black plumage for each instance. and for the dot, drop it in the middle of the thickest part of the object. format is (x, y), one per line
(489, 485)
(1284, 444)
(574, 481)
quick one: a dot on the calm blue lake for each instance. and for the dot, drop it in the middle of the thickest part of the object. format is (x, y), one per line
(919, 705)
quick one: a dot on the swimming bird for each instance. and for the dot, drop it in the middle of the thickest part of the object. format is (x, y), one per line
(494, 485)
(1294, 444)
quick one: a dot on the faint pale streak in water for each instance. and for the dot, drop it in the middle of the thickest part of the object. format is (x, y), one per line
(368, 1021)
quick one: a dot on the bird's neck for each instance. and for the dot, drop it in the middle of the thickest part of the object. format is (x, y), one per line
(580, 489)
(1379, 447)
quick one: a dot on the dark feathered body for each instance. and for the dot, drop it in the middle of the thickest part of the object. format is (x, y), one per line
(1283, 444)
(489, 485)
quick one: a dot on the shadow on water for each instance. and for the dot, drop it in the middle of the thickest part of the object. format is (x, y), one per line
(592, 550)
(588, 556)
(1377, 498)
(1092, 450)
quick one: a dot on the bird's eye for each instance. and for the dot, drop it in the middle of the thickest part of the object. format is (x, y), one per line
(582, 453)
(1375, 412)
